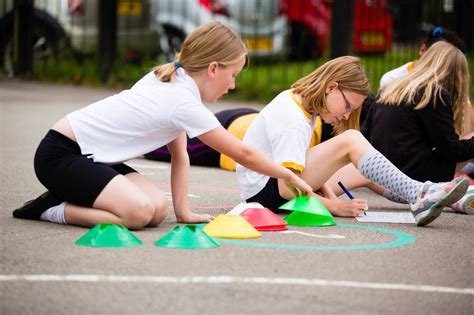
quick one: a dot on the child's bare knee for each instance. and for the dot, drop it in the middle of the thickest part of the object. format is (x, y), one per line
(140, 214)
(354, 139)
(352, 135)
(161, 211)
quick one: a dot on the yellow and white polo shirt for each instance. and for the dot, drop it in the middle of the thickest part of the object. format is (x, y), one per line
(282, 130)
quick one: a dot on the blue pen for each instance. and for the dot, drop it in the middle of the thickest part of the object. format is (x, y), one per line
(346, 191)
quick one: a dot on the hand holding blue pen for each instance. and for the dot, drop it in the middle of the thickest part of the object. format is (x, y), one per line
(346, 191)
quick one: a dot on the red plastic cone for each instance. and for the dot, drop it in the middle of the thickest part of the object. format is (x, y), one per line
(263, 219)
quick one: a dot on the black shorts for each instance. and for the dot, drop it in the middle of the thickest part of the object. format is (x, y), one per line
(269, 196)
(69, 175)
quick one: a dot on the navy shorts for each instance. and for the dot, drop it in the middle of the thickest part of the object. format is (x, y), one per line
(269, 196)
(69, 175)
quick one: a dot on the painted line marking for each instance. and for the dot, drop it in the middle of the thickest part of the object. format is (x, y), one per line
(152, 166)
(170, 196)
(235, 280)
(401, 239)
(313, 235)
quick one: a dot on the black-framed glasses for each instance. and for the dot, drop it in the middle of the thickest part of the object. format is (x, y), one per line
(349, 107)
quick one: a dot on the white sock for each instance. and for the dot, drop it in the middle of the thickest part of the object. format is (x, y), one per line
(55, 214)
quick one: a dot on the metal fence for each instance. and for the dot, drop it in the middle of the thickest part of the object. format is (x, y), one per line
(286, 38)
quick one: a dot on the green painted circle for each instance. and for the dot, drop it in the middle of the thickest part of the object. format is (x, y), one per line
(402, 240)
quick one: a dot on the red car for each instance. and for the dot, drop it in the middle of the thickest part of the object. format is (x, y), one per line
(372, 27)
(310, 24)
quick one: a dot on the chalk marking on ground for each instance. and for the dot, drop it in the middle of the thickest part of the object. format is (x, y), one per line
(230, 280)
(152, 166)
(313, 235)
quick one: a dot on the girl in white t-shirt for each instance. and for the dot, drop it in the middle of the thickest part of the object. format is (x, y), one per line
(80, 159)
(283, 131)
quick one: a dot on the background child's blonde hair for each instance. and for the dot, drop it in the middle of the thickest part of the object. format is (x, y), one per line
(348, 72)
(442, 67)
(210, 42)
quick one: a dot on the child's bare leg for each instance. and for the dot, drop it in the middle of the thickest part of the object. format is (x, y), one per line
(122, 201)
(325, 159)
(157, 196)
(329, 157)
(350, 176)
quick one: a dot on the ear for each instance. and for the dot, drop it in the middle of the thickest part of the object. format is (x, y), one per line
(422, 49)
(331, 87)
(212, 69)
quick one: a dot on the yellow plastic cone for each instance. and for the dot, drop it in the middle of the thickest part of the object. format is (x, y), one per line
(231, 226)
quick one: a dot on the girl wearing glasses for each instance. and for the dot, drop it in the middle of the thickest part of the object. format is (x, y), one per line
(283, 131)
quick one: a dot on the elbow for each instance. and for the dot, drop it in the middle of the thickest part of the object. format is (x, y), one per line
(182, 159)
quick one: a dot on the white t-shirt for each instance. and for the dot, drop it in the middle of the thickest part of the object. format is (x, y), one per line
(283, 131)
(396, 73)
(139, 120)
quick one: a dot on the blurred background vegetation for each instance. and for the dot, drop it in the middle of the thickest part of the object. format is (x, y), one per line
(114, 43)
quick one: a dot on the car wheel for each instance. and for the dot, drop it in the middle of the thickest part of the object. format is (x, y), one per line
(47, 36)
(302, 44)
(171, 40)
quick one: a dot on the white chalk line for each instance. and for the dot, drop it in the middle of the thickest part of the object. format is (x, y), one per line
(225, 280)
(313, 235)
(151, 166)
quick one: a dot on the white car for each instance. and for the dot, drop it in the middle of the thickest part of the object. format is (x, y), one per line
(259, 22)
(76, 22)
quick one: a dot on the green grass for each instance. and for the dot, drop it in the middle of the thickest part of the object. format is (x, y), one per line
(261, 81)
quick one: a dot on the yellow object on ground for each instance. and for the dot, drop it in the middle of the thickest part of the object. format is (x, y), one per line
(231, 226)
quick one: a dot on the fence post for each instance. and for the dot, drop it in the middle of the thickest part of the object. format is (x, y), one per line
(341, 27)
(22, 44)
(107, 37)
(463, 13)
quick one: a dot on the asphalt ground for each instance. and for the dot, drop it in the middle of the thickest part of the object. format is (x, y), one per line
(350, 268)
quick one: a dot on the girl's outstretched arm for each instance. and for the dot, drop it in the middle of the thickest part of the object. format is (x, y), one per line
(180, 182)
(224, 142)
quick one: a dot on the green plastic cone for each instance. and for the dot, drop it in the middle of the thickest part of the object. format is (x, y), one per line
(187, 237)
(299, 218)
(109, 235)
(309, 205)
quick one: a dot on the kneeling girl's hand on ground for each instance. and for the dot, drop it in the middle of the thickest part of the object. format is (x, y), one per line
(194, 218)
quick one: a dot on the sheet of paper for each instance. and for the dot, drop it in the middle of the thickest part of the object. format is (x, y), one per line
(241, 207)
(387, 217)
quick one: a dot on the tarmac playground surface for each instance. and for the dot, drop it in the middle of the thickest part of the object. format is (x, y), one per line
(350, 268)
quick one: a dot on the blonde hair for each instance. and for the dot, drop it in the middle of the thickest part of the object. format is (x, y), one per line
(443, 67)
(211, 42)
(348, 72)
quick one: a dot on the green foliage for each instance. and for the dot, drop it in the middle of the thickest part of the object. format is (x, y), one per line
(261, 81)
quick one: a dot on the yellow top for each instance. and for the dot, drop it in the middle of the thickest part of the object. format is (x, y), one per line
(238, 128)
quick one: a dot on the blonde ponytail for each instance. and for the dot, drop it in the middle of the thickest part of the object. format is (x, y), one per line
(211, 42)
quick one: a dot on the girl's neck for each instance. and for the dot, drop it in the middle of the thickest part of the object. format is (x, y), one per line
(305, 106)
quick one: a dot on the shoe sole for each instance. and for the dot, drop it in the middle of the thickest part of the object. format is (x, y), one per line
(454, 195)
